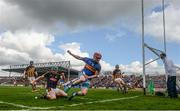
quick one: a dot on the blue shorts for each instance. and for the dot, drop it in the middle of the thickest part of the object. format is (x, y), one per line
(85, 84)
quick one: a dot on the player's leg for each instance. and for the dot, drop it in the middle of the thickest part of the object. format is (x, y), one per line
(168, 87)
(120, 87)
(117, 85)
(175, 95)
(51, 94)
(124, 85)
(34, 85)
(31, 79)
(118, 82)
(74, 83)
(137, 82)
(80, 80)
(60, 93)
(83, 92)
(130, 85)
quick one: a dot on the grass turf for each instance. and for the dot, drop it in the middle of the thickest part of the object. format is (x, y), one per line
(17, 98)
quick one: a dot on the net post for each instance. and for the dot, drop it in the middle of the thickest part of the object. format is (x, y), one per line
(143, 49)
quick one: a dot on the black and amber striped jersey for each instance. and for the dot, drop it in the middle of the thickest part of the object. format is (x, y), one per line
(117, 73)
(30, 71)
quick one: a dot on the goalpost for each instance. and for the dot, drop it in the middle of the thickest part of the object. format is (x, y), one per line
(150, 48)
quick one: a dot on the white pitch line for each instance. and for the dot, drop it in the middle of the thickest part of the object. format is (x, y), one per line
(103, 101)
(13, 104)
(85, 98)
(100, 101)
(45, 108)
(23, 106)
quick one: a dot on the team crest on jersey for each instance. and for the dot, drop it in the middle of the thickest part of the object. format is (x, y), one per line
(53, 79)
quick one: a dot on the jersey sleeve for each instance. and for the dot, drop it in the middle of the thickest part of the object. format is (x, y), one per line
(120, 72)
(98, 68)
(85, 59)
(114, 72)
(27, 68)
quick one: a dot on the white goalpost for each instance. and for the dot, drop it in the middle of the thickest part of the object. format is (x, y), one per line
(144, 45)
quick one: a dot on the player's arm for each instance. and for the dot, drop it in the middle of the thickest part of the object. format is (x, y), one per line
(37, 79)
(40, 77)
(93, 76)
(62, 76)
(75, 56)
(24, 74)
(123, 75)
(36, 74)
(97, 72)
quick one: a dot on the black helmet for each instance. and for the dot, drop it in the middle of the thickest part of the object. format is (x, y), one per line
(117, 66)
(31, 62)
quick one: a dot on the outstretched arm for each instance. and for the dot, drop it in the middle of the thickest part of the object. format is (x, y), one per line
(40, 77)
(123, 74)
(63, 76)
(37, 79)
(24, 74)
(75, 56)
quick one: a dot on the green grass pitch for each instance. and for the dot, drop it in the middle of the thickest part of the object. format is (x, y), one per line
(21, 98)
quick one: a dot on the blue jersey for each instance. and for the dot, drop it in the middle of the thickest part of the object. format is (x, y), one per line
(91, 66)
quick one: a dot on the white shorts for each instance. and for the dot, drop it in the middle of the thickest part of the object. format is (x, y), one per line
(52, 93)
(31, 79)
(118, 79)
(55, 92)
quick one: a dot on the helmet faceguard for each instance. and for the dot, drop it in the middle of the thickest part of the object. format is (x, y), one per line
(31, 63)
(117, 66)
